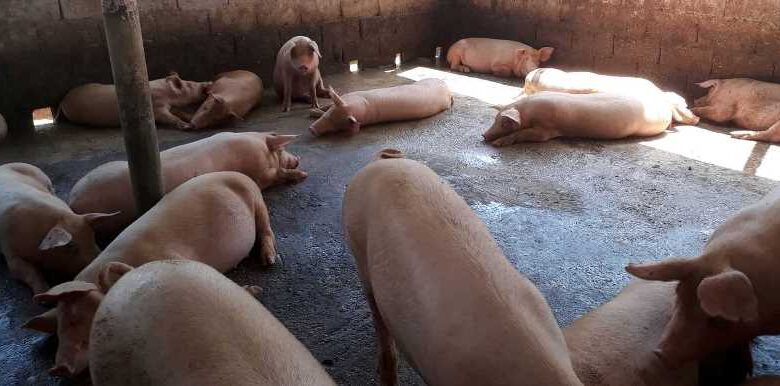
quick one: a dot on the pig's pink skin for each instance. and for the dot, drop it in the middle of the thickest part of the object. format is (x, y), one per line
(214, 218)
(29, 214)
(260, 156)
(498, 57)
(97, 104)
(418, 100)
(547, 115)
(232, 96)
(207, 331)
(297, 74)
(749, 103)
(728, 294)
(440, 288)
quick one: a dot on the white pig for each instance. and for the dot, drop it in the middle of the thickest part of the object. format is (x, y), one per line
(297, 74)
(232, 96)
(439, 286)
(498, 57)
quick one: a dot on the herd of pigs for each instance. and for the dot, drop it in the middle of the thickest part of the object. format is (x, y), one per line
(154, 308)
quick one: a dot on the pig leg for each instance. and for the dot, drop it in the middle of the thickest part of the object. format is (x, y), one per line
(183, 115)
(771, 134)
(265, 235)
(292, 176)
(165, 116)
(315, 104)
(288, 85)
(532, 134)
(26, 273)
(387, 353)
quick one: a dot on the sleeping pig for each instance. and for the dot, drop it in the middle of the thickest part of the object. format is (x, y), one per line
(551, 79)
(261, 156)
(297, 74)
(748, 103)
(349, 112)
(440, 288)
(38, 231)
(215, 218)
(96, 104)
(547, 115)
(232, 96)
(498, 57)
(728, 294)
(207, 330)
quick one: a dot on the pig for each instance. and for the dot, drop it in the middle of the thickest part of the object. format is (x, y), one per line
(238, 341)
(215, 218)
(728, 294)
(498, 57)
(96, 104)
(748, 103)
(258, 155)
(547, 115)
(3, 128)
(613, 345)
(39, 233)
(551, 79)
(438, 285)
(297, 74)
(418, 100)
(232, 96)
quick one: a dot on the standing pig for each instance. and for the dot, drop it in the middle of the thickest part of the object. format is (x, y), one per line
(38, 231)
(748, 103)
(729, 294)
(232, 96)
(498, 57)
(551, 79)
(438, 284)
(297, 74)
(97, 104)
(215, 219)
(411, 101)
(260, 156)
(547, 115)
(3, 128)
(206, 329)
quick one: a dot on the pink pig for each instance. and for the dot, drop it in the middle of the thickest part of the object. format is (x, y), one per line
(232, 96)
(498, 57)
(297, 74)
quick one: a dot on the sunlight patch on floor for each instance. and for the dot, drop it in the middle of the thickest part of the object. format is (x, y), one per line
(487, 91)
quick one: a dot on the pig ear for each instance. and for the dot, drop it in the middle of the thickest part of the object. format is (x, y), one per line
(64, 291)
(389, 154)
(174, 80)
(111, 274)
(57, 237)
(545, 53)
(510, 118)
(93, 217)
(667, 270)
(277, 142)
(335, 97)
(354, 125)
(218, 98)
(45, 322)
(729, 295)
(315, 47)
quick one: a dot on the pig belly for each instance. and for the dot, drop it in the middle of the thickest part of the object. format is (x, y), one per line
(757, 117)
(94, 105)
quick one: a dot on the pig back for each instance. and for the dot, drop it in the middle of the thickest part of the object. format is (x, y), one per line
(180, 322)
(92, 104)
(418, 100)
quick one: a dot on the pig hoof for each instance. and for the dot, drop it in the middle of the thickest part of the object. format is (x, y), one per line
(743, 134)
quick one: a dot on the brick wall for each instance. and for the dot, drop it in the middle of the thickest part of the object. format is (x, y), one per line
(50, 46)
(673, 42)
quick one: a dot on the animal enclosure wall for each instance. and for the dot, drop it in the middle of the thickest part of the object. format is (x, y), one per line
(50, 46)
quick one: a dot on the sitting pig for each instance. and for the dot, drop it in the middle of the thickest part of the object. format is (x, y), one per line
(498, 57)
(261, 156)
(38, 231)
(547, 115)
(214, 218)
(3, 128)
(232, 96)
(96, 104)
(297, 74)
(748, 103)
(438, 285)
(551, 79)
(729, 294)
(206, 329)
(411, 101)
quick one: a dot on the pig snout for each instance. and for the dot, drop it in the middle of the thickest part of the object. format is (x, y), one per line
(304, 69)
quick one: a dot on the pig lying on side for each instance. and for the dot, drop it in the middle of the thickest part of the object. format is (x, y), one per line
(438, 284)
(551, 79)
(261, 156)
(38, 231)
(614, 344)
(215, 219)
(748, 103)
(3, 128)
(232, 96)
(418, 100)
(297, 74)
(195, 327)
(498, 57)
(547, 115)
(729, 294)
(97, 104)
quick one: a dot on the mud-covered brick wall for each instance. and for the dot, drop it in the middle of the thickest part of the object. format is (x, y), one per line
(673, 42)
(49, 46)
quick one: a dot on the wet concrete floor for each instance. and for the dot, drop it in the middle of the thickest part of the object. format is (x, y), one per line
(568, 213)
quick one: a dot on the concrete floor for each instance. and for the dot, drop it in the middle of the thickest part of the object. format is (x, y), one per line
(569, 214)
